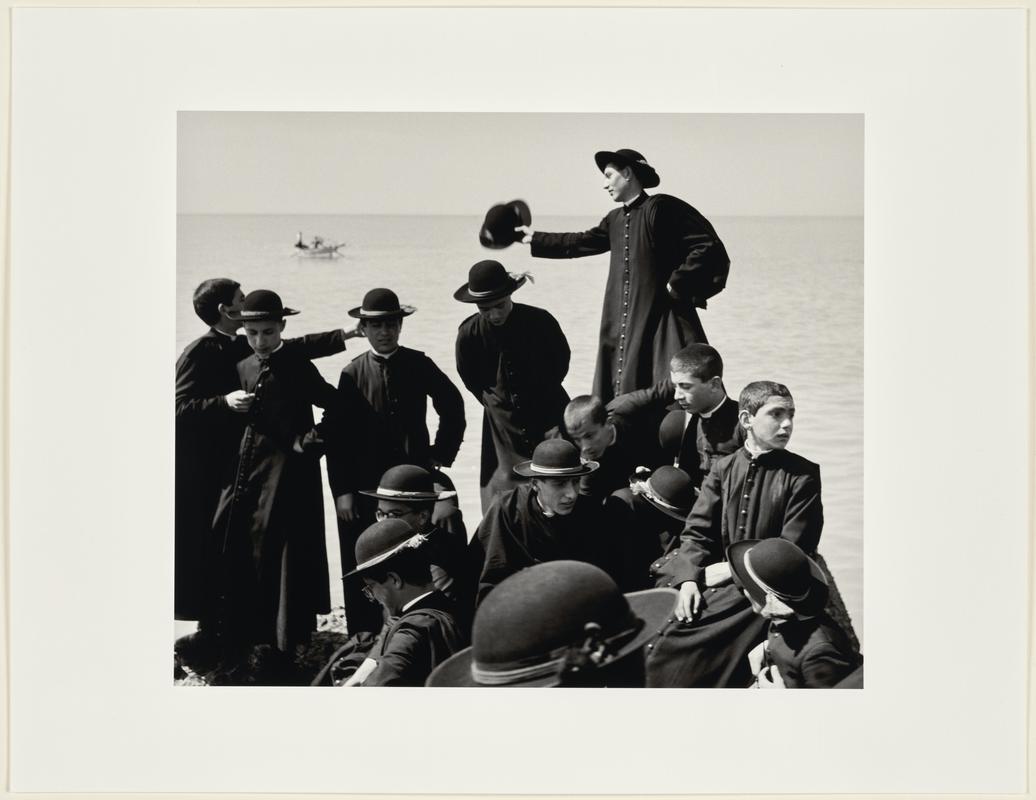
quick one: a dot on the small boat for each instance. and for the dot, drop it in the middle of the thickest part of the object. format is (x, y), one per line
(318, 247)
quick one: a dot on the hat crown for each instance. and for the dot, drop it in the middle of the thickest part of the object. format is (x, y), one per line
(673, 485)
(407, 478)
(556, 454)
(631, 155)
(263, 300)
(488, 276)
(381, 300)
(781, 565)
(540, 610)
(382, 537)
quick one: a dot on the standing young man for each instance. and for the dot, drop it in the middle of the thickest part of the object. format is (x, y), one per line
(512, 358)
(666, 261)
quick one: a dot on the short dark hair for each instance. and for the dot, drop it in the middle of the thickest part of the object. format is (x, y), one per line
(702, 361)
(587, 405)
(754, 396)
(209, 295)
(410, 565)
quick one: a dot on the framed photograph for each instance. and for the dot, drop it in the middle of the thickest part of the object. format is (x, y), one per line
(865, 172)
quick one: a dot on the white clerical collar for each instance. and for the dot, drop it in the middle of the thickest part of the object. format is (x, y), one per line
(707, 414)
(376, 354)
(753, 450)
(412, 602)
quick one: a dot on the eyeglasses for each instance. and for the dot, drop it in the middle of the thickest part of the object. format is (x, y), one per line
(395, 513)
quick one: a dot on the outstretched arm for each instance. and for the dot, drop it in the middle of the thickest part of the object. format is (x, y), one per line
(570, 245)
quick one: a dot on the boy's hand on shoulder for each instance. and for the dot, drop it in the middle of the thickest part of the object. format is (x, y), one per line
(354, 333)
(689, 601)
(239, 401)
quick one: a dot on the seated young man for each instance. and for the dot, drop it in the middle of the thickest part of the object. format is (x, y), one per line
(804, 647)
(761, 491)
(422, 631)
(607, 441)
(544, 519)
(408, 492)
(697, 405)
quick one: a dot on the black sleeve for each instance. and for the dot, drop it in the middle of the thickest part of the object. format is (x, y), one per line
(449, 405)
(571, 245)
(317, 345)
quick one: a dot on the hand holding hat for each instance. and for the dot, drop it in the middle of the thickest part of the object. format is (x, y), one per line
(503, 224)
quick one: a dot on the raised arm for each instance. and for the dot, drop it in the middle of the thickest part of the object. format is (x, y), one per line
(319, 345)
(571, 245)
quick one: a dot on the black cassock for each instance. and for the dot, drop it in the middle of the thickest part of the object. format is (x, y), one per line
(269, 524)
(207, 437)
(516, 533)
(654, 241)
(515, 371)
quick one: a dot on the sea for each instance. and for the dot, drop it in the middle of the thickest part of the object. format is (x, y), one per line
(792, 312)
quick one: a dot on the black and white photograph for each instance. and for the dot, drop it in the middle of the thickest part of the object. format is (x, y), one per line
(526, 343)
(436, 352)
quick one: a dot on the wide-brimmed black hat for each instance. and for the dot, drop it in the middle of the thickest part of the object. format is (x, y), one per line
(670, 490)
(408, 483)
(381, 304)
(778, 567)
(629, 158)
(488, 280)
(555, 458)
(383, 540)
(262, 305)
(498, 228)
(527, 626)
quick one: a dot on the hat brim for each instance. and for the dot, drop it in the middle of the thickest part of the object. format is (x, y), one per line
(385, 555)
(814, 601)
(410, 497)
(678, 514)
(359, 313)
(525, 470)
(653, 606)
(645, 173)
(465, 296)
(245, 316)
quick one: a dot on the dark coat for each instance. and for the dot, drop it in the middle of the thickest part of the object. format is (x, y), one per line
(398, 389)
(270, 520)
(515, 372)
(416, 642)
(452, 570)
(616, 465)
(655, 241)
(810, 653)
(706, 439)
(207, 437)
(775, 494)
(516, 533)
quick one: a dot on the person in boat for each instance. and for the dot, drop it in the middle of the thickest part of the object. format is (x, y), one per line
(301, 245)
(559, 624)
(512, 358)
(394, 568)
(666, 262)
(697, 421)
(543, 519)
(211, 412)
(804, 647)
(762, 491)
(269, 524)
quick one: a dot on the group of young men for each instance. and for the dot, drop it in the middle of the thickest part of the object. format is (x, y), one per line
(625, 538)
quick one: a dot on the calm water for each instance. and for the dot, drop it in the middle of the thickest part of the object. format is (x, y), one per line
(792, 312)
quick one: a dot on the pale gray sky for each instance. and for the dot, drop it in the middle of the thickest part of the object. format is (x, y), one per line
(461, 163)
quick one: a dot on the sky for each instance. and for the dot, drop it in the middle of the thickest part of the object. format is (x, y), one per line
(461, 163)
